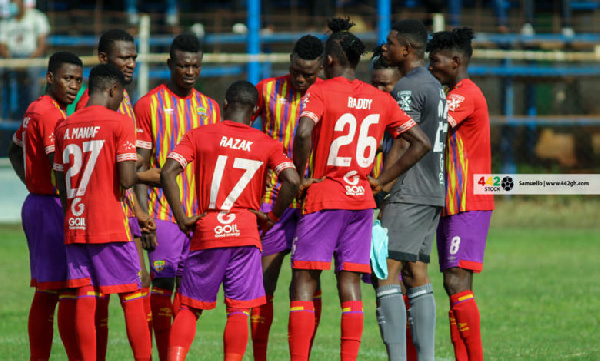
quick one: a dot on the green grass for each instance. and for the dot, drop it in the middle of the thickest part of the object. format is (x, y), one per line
(538, 296)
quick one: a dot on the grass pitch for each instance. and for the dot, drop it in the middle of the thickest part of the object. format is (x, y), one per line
(538, 295)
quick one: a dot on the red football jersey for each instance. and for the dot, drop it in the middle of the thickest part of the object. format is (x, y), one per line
(89, 144)
(36, 137)
(350, 118)
(231, 161)
(468, 149)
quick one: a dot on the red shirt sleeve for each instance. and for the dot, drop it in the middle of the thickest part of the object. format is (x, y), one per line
(18, 136)
(313, 104)
(460, 106)
(58, 161)
(126, 140)
(47, 125)
(185, 151)
(83, 100)
(143, 123)
(398, 121)
(278, 161)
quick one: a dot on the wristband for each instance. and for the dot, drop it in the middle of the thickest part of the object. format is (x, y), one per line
(272, 217)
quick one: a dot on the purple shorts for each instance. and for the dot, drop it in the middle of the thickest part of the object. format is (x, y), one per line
(166, 261)
(340, 233)
(43, 223)
(237, 268)
(110, 267)
(134, 227)
(280, 237)
(461, 240)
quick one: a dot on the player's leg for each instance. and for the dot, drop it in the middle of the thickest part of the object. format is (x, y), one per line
(276, 243)
(203, 273)
(116, 269)
(164, 261)
(66, 323)
(463, 237)
(313, 247)
(241, 294)
(391, 312)
(352, 258)
(419, 293)
(43, 226)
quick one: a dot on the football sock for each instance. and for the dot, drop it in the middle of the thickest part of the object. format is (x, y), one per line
(66, 323)
(147, 308)
(235, 336)
(460, 350)
(85, 322)
(162, 314)
(422, 321)
(391, 316)
(352, 328)
(183, 331)
(40, 324)
(261, 320)
(468, 322)
(176, 304)
(411, 351)
(300, 329)
(136, 324)
(102, 302)
(318, 308)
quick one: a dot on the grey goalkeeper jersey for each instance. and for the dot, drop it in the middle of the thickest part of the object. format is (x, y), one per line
(421, 96)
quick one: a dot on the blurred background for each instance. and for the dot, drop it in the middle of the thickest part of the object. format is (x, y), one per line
(535, 61)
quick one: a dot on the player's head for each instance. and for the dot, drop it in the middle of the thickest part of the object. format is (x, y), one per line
(306, 62)
(343, 49)
(449, 54)
(185, 61)
(406, 40)
(240, 102)
(383, 75)
(106, 86)
(64, 77)
(117, 47)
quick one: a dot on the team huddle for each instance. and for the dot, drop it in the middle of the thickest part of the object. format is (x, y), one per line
(214, 201)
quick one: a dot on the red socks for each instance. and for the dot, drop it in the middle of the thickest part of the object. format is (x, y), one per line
(162, 314)
(235, 336)
(300, 329)
(66, 323)
(136, 324)
(261, 320)
(102, 302)
(41, 323)
(467, 324)
(183, 333)
(411, 350)
(352, 328)
(85, 322)
(147, 309)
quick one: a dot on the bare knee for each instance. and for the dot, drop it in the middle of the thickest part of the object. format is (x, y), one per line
(304, 283)
(457, 280)
(414, 274)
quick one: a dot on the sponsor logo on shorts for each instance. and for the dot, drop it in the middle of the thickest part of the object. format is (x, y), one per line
(159, 265)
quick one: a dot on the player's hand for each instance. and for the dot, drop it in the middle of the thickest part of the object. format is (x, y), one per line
(148, 241)
(148, 229)
(150, 177)
(307, 182)
(376, 187)
(188, 224)
(264, 221)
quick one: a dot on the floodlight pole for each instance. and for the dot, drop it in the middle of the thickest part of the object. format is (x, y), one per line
(253, 39)
(384, 14)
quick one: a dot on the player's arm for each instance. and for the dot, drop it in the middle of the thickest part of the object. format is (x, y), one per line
(290, 181)
(141, 190)
(149, 177)
(15, 154)
(127, 174)
(418, 146)
(168, 176)
(303, 143)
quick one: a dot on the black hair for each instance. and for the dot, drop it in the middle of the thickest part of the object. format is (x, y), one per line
(308, 47)
(62, 57)
(415, 32)
(242, 92)
(342, 44)
(458, 39)
(104, 76)
(378, 61)
(186, 42)
(111, 36)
